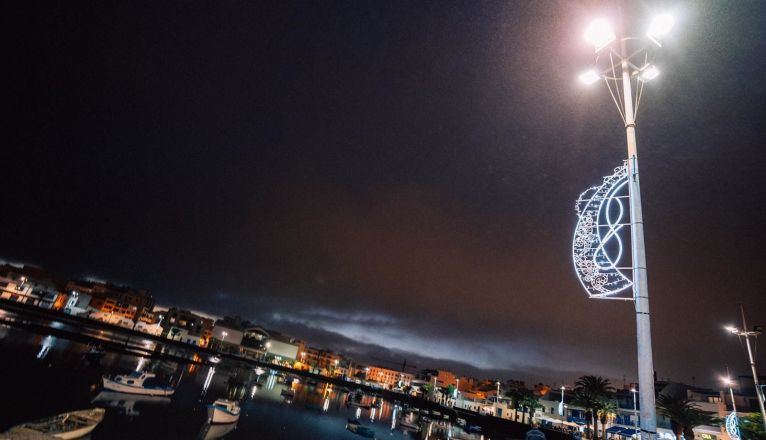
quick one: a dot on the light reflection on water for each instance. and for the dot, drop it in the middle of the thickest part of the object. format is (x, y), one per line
(50, 375)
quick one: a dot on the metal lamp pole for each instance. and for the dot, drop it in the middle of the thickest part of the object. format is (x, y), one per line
(623, 66)
(640, 283)
(744, 332)
(727, 380)
(561, 405)
(635, 410)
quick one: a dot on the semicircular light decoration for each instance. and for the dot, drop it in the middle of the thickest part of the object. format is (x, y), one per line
(732, 426)
(598, 247)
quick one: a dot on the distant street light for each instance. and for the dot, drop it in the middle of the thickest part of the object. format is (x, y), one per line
(744, 332)
(620, 65)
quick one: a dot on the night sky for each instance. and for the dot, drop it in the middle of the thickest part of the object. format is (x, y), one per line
(391, 179)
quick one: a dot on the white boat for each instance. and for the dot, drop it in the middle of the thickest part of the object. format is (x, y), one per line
(223, 411)
(212, 432)
(133, 383)
(69, 425)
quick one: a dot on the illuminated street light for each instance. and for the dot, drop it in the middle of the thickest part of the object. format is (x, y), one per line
(620, 70)
(649, 73)
(599, 33)
(660, 26)
(561, 405)
(747, 334)
(589, 77)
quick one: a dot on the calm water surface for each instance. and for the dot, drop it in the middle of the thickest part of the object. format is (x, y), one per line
(43, 375)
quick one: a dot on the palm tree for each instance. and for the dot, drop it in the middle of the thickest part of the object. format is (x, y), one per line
(530, 402)
(606, 411)
(683, 414)
(589, 390)
(515, 396)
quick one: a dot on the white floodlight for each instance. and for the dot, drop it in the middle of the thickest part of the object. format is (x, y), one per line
(589, 77)
(649, 72)
(660, 26)
(599, 33)
(731, 328)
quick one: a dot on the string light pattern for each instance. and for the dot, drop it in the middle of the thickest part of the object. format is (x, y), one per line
(597, 247)
(732, 426)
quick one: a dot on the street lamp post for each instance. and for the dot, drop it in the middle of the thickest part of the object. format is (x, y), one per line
(635, 410)
(727, 380)
(624, 65)
(744, 332)
(561, 405)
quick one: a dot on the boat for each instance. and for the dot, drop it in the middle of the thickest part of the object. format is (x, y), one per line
(223, 411)
(360, 429)
(69, 425)
(133, 383)
(212, 432)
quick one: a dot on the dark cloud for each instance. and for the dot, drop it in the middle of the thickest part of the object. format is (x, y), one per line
(390, 176)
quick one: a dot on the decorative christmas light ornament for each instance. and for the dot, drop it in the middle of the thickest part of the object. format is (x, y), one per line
(597, 247)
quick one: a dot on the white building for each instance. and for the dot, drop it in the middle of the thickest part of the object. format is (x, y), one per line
(226, 336)
(77, 303)
(28, 285)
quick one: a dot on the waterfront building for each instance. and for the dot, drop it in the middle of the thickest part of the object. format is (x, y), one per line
(387, 377)
(184, 325)
(319, 360)
(260, 342)
(77, 303)
(115, 302)
(31, 285)
(439, 378)
(227, 334)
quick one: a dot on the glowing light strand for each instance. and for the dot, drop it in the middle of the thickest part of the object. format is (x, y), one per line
(732, 426)
(597, 246)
